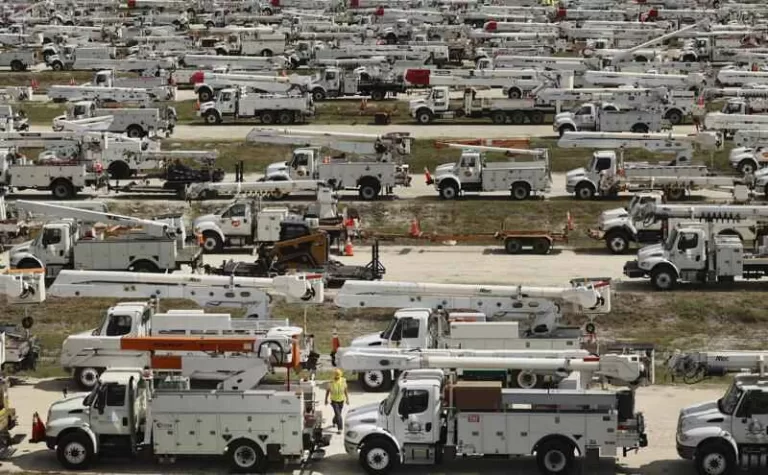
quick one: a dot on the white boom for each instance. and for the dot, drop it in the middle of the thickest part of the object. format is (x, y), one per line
(88, 124)
(696, 366)
(153, 228)
(47, 139)
(250, 188)
(618, 368)
(701, 212)
(362, 144)
(656, 142)
(625, 54)
(537, 152)
(591, 297)
(205, 290)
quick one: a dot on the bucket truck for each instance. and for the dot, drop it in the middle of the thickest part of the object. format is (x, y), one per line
(730, 124)
(135, 122)
(610, 117)
(696, 366)
(472, 173)
(248, 427)
(67, 243)
(638, 223)
(428, 418)
(726, 435)
(207, 83)
(693, 81)
(695, 252)
(379, 171)
(268, 108)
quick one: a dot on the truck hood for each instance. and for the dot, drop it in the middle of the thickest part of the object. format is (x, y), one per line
(371, 339)
(445, 168)
(68, 407)
(739, 151)
(705, 414)
(577, 172)
(277, 167)
(614, 213)
(613, 222)
(365, 414)
(416, 103)
(206, 218)
(21, 247)
(654, 250)
(563, 116)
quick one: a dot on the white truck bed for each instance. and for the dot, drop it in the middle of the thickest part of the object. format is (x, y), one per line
(33, 176)
(117, 254)
(347, 174)
(502, 175)
(647, 169)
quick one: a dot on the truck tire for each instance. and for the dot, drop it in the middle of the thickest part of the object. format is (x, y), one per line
(57, 66)
(541, 246)
(555, 456)
(674, 116)
(617, 242)
(514, 93)
(86, 378)
(204, 94)
(378, 95)
(211, 117)
(517, 117)
(565, 128)
(246, 457)
(499, 118)
(369, 190)
(585, 191)
(537, 117)
(318, 95)
(714, 458)
(267, 117)
(449, 191)
(17, 66)
(144, 266)
(379, 457)
(664, 278)
(639, 129)
(375, 381)
(424, 116)
(675, 194)
(211, 242)
(74, 451)
(521, 191)
(285, 117)
(119, 170)
(62, 189)
(513, 246)
(267, 53)
(747, 167)
(134, 131)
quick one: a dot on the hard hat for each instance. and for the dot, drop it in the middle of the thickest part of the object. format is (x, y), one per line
(338, 372)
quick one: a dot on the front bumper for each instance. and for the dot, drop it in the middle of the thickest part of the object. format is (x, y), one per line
(633, 270)
(350, 447)
(595, 234)
(685, 452)
(570, 188)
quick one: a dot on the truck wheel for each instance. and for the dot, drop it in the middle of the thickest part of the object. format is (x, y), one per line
(57, 66)
(134, 131)
(521, 191)
(663, 278)
(119, 170)
(747, 167)
(266, 53)
(517, 117)
(450, 191)
(565, 128)
(369, 191)
(285, 117)
(375, 381)
(204, 95)
(537, 117)
(674, 116)
(639, 129)
(675, 194)
(246, 457)
(424, 117)
(714, 458)
(379, 457)
(212, 242)
(144, 266)
(555, 457)
(499, 118)
(513, 246)
(86, 378)
(318, 95)
(17, 66)
(514, 93)
(211, 117)
(617, 242)
(541, 246)
(378, 95)
(74, 451)
(585, 191)
(62, 190)
(267, 118)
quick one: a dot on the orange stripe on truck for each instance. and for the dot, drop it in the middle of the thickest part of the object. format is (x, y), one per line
(183, 343)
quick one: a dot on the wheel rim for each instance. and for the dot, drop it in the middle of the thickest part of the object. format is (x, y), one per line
(449, 192)
(368, 193)
(663, 280)
(513, 247)
(373, 379)
(424, 118)
(88, 377)
(377, 459)
(747, 169)
(210, 118)
(585, 193)
(61, 191)
(714, 464)
(245, 456)
(555, 461)
(520, 193)
(527, 380)
(210, 244)
(75, 453)
(618, 244)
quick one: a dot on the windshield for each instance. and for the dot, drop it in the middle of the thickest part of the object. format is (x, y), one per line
(389, 402)
(88, 401)
(387, 334)
(731, 399)
(670, 242)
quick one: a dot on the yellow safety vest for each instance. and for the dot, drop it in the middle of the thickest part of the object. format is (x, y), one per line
(338, 388)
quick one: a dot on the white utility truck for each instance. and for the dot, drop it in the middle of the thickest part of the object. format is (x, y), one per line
(248, 427)
(729, 434)
(135, 122)
(695, 252)
(336, 82)
(64, 180)
(379, 170)
(609, 117)
(438, 105)
(730, 124)
(427, 418)
(696, 366)
(268, 108)
(474, 173)
(207, 83)
(647, 219)
(68, 243)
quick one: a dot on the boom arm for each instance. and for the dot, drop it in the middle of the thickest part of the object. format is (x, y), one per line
(650, 211)
(659, 142)
(696, 366)
(364, 144)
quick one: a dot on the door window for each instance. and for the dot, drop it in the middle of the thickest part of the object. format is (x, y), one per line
(414, 401)
(755, 404)
(119, 325)
(687, 241)
(116, 395)
(603, 164)
(235, 210)
(410, 328)
(586, 110)
(51, 237)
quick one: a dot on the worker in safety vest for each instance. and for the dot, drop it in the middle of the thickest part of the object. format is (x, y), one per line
(337, 390)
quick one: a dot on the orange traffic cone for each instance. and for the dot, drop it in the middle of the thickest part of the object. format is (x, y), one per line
(71, 81)
(35, 85)
(348, 250)
(415, 229)
(38, 429)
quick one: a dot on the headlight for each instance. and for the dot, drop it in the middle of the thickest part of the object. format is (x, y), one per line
(682, 437)
(351, 434)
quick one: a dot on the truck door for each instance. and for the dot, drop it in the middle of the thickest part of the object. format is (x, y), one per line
(585, 117)
(440, 100)
(226, 102)
(332, 81)
(469, 168)
(689, 251)
(235, 222)
(54, 244)
(415, 422)
(109, 413)
(750, 422)
(406, 333)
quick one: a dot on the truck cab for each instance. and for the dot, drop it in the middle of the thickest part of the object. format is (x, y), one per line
(732, 432)
(52, 248)
(301, 166)
(437, 101)
(239, 222)
(618, 226)
(744, 107)
(225, 102)
(598, 177)
(584, 117)
(112, 416)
